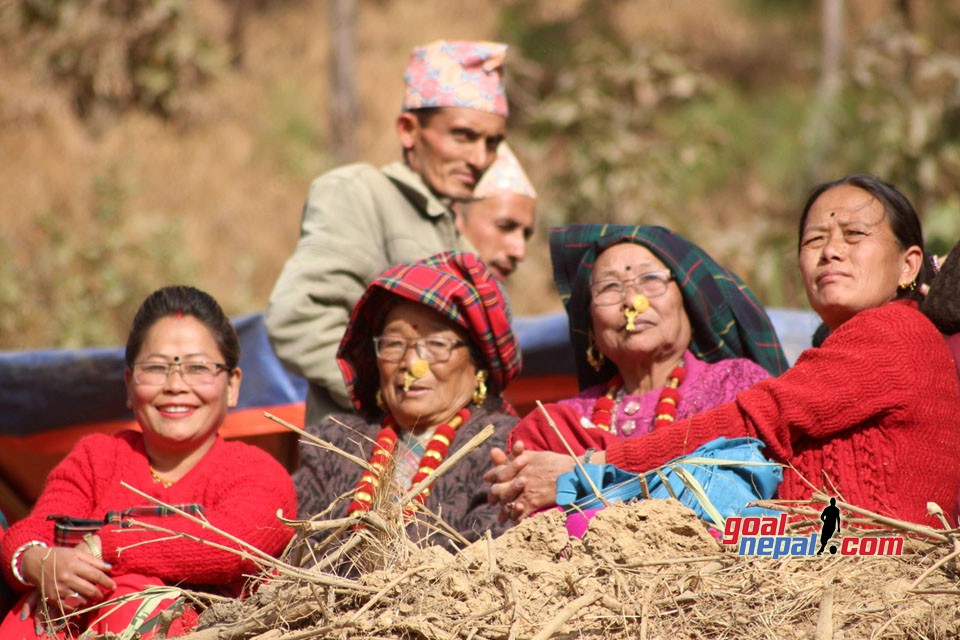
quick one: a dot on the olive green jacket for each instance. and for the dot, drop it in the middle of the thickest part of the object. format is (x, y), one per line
(357, 221)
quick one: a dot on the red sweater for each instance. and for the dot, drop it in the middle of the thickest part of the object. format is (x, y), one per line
(240, 487)
(874, 412)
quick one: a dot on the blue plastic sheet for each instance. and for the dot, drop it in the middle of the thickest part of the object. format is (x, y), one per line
(50, 389)
(732, 472)
(47, 390)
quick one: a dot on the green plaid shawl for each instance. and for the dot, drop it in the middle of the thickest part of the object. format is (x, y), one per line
(727, 319)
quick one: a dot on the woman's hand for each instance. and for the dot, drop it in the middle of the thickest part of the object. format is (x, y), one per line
(70, 577)
(525, 481)
(506, 486)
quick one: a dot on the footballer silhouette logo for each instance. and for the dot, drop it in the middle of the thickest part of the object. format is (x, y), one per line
(830, 516)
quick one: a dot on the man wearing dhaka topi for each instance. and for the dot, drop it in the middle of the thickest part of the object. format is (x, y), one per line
(359, 219)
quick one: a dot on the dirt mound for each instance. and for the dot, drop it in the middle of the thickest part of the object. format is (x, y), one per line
(649, 569)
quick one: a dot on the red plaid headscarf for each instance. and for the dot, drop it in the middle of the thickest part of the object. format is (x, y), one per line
(459, 287)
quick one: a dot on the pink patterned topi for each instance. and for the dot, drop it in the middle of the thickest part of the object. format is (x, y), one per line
(456, 74)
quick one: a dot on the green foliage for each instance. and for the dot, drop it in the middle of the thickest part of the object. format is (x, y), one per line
(633, 133)
(900, 119)
(77, 282)
(738, 134)
(294, 135)
(116, 54)
(599, 122)
(630, 132)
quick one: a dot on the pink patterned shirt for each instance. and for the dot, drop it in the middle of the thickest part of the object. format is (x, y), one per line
(705, 386)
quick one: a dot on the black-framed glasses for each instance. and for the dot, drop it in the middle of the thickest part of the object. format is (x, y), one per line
(195, 374)
(609, 292)
(432, 350)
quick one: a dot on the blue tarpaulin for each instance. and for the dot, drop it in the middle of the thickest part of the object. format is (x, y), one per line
(43, 390)
(50, 389)
(51, 398)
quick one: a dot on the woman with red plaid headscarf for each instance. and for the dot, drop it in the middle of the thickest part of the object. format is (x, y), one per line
(426, 357)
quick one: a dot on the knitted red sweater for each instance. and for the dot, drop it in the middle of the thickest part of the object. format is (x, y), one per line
(874, 412)
(240, 487)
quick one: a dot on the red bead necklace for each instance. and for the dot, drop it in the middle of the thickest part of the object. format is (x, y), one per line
(665, 413)
(383, 450)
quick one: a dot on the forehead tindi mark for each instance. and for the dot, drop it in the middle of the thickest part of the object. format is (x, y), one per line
(176, 359)
(847, 212)
(614, 272)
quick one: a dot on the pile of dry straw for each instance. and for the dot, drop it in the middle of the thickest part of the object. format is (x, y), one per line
(648, 569)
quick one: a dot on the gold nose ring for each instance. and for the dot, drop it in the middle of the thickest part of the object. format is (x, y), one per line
(418, 369)
(639, 304)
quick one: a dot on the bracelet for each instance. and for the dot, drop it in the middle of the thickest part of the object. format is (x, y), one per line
(93, 543)
(589, 454)
(18, 554)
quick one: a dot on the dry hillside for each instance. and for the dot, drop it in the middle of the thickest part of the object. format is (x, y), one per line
(99, 210)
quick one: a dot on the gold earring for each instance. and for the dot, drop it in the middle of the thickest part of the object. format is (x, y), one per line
(594, 357)
(480, 392)
(912, 285)
(380, 403)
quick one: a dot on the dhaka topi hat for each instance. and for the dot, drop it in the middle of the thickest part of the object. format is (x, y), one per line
(452, 73)
(505, 175)
(456, 285)
(726, 318)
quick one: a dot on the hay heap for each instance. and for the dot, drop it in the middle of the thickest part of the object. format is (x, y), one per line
(648, 569)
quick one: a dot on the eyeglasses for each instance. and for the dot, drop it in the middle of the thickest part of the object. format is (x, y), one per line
(195, 374)
(610, 292)
(430, 349)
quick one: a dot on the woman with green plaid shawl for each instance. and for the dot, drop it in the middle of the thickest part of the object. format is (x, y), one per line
(871, 416)
(660, 332)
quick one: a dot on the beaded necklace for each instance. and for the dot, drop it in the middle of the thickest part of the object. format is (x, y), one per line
(665, 413)
(383, 449)
(158, 479)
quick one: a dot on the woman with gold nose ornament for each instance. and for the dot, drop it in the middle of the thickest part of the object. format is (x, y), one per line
(660, 332)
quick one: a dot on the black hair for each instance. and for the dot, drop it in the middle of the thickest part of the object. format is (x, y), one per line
(942, 304)
(425, 114)
(190, 301)
(903, 219)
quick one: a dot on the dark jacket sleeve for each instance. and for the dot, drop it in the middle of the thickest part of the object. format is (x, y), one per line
(459, 496)
(323, 476)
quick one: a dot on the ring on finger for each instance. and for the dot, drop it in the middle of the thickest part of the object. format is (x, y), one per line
(72, 600)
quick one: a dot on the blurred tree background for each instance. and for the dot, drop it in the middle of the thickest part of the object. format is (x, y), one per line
(144, 142)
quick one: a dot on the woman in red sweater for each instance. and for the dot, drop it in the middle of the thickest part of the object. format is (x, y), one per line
(872, 415)
(78, 547)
